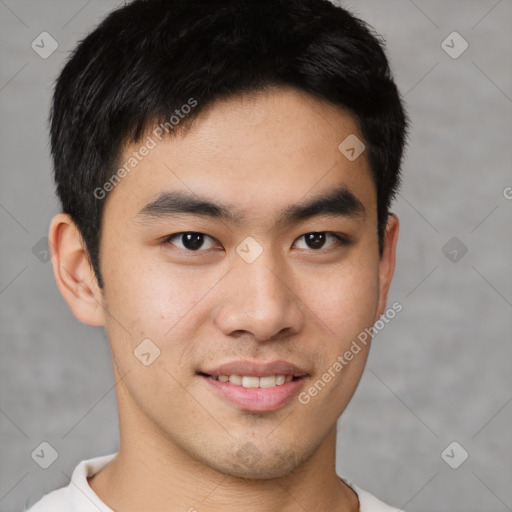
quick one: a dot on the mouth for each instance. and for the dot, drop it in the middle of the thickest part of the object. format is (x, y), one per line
(252, 381)
(255, 394)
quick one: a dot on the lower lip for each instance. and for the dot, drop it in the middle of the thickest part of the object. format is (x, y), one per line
(256, 399)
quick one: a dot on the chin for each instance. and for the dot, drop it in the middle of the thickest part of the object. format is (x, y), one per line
(249, 463)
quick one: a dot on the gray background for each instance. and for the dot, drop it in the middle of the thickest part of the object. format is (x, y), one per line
(439, 372)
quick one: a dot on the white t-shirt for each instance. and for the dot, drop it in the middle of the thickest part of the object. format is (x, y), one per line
(79, 497)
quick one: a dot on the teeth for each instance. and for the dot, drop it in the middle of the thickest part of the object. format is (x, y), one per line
(248, 381)
(267, 382)
(280, 380)
(235, 379)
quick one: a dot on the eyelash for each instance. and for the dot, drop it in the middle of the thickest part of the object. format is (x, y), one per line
(342, 240)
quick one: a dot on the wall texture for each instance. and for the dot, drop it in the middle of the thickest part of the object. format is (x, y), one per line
(438, 373)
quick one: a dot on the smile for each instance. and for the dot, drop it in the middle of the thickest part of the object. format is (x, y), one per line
(255, 394)
(248, 381)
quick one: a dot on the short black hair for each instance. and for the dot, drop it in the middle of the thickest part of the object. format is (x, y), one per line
(150, 58)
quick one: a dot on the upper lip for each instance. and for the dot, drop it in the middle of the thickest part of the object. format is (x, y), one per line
(255, 369)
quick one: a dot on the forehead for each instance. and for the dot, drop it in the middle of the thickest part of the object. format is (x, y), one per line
(260, 152)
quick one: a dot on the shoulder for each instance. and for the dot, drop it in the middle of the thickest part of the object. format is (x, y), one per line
(77, 496)
(368, 502)
(56, 501)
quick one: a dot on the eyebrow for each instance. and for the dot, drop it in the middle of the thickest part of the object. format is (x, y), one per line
(340, 202)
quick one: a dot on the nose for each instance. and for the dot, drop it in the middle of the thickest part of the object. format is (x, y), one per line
(258, 300)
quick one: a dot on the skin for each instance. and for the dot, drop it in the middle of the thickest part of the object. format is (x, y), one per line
(178, 439)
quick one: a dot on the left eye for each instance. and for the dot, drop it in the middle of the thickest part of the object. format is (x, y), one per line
(192, 241)
(317, 239)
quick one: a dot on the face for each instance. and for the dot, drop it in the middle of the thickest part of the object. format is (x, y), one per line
(266, 297)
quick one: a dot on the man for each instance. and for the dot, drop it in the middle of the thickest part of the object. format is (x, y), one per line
(226, 169)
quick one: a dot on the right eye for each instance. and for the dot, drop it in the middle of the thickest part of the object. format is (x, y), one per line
(191, 241)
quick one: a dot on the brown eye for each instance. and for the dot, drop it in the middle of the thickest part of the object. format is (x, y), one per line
(316, 240)
(190, 241)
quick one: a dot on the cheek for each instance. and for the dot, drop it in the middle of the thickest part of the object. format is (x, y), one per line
(346, 305)
(345, 300)
(145, 301)
(148, 296)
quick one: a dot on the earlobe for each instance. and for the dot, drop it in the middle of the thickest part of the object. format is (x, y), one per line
(387, 262)
(73, 272)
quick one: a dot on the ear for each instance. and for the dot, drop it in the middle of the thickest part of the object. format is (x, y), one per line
(387, 262)
(73, 271)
